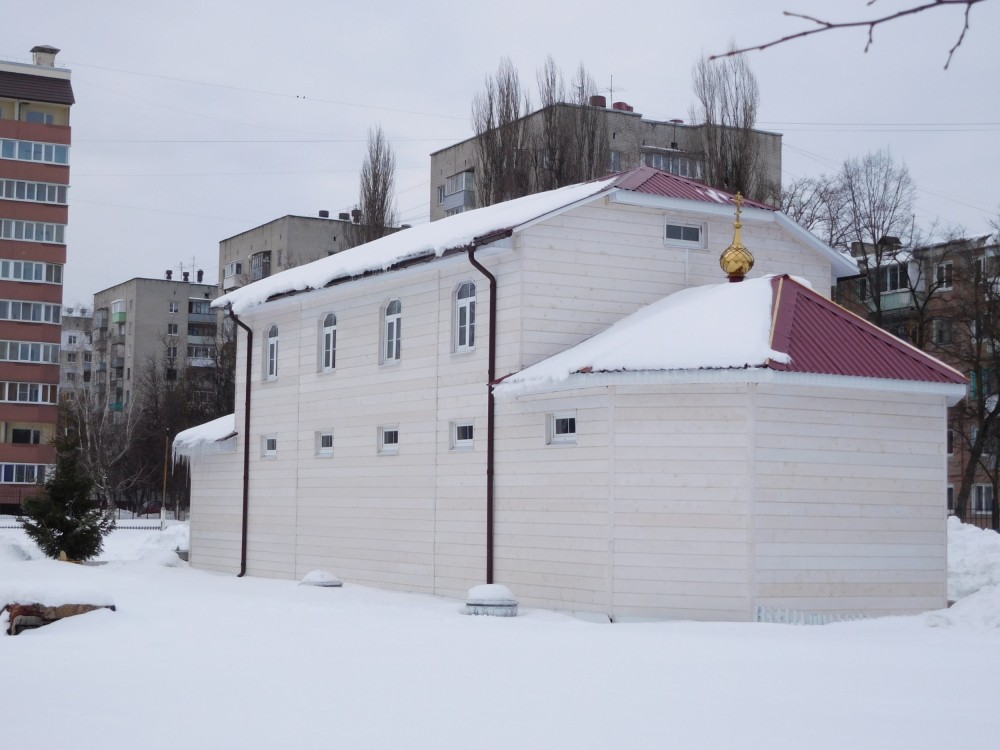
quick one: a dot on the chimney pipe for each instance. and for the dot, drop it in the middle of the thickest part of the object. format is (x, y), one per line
(201, 275)
(44, 56)
(170, 274)
(344, 217)
(186, 276)
(324, 214)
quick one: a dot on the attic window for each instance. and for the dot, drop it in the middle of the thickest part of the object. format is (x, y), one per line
(685, 235)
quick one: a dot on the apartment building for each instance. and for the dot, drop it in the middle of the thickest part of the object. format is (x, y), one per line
(671, 146)
(142, 323)
(279, 245)
(35, 102)
(76, 352)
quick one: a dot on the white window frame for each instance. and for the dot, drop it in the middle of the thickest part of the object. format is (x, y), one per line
(173, 329)
(322, 437)
(174, 308)
(388, 432)
(981, 500)
(463, 433)
(556, 433)
(465, 318)
(392, 322)
(271, 353)
(945, 276)
(328, 343)
(269, 446)
(698, 244)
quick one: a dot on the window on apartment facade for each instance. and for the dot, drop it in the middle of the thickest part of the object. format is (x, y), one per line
(35, 192)
(29, 312)
(87, 356)
(23, 473)
(941, 331)
(388, 439)
(71, 338)
(440, 192)
(71, 357)
(172, 329)
(615, 159)
(678, 165)
(561, 428)
(982, 499)
(45, 118)
(950, 497)
(199, 307)
(462, 433)
(70, 376)
(392, 331)
(328, 343)
(28, 393)
(324, 443)
(26, 437)
(685, 235)
(269, 446)
(47, 153)
(28, 351)
(465, 317)
(26, 270)
(944, 276)
(174, 307)
(950, 441)
(32, 231)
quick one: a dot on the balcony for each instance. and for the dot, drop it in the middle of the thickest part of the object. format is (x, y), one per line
(102, 366)
(118, 363)
(462, 199)
(200, 362)
(116, 406)
(118, 317)
(891, 301)
(210, 318)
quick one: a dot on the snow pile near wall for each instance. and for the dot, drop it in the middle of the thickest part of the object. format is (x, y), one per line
(433, 238)
(719, 326)
(12, 550)
(211, 437)
(973, 558)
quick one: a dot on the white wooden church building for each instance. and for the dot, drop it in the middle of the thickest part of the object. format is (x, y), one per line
(563, 394)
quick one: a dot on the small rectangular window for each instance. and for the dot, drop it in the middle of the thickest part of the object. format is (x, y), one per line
(269, 446)
(324, 443)
(944, 276)
(172, 329)
(684, 234)
(562, 428)
(388, 440)
(175, 307)
(950, 441)
(462, 435)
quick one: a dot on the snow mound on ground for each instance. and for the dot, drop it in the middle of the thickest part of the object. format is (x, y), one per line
(320, 578)
(53, 593)
(490, 592)
(12, 551)
(979, 611)
(127, 544)
(973, 559)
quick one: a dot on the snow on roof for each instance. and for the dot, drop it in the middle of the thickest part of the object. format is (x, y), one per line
(773, 322)
(715, 326)
(211, 437)
(432, 239)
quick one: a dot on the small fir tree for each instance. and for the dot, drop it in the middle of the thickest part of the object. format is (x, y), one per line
(64, 516)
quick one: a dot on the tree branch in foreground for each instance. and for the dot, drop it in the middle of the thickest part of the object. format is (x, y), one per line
(822, 26)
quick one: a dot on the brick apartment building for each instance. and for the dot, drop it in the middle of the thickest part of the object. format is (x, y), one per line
(35, 101)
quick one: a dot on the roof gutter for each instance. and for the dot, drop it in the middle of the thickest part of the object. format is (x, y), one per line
(490, 378)
(246, 442)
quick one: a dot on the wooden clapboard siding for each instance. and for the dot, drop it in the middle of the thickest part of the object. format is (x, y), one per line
(849, 500)
(681, 530)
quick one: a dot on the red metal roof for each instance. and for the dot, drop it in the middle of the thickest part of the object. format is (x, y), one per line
(35, 88)
(655, 182)
(822, 337)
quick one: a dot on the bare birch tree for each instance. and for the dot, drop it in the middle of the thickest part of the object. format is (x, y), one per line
(376, 195)
(727, 100)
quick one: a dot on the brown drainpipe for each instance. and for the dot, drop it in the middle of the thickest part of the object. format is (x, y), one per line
(490, 377)
(246, 443)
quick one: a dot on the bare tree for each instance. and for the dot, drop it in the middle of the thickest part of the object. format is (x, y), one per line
(878, 195)
(376, 196)
(818, 204)
(728, 96)
(823, 25)
(503, 160)
(105, 438)
(972, 345)
(568, 137)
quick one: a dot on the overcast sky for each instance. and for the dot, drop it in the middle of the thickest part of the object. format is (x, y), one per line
(199, 120)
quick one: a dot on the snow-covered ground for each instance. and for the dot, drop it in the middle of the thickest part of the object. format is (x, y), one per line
(198, 660)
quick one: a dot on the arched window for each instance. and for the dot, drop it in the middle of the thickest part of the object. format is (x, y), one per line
(392, 331)
(271, 353)
(328, 350)
(465, 317)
